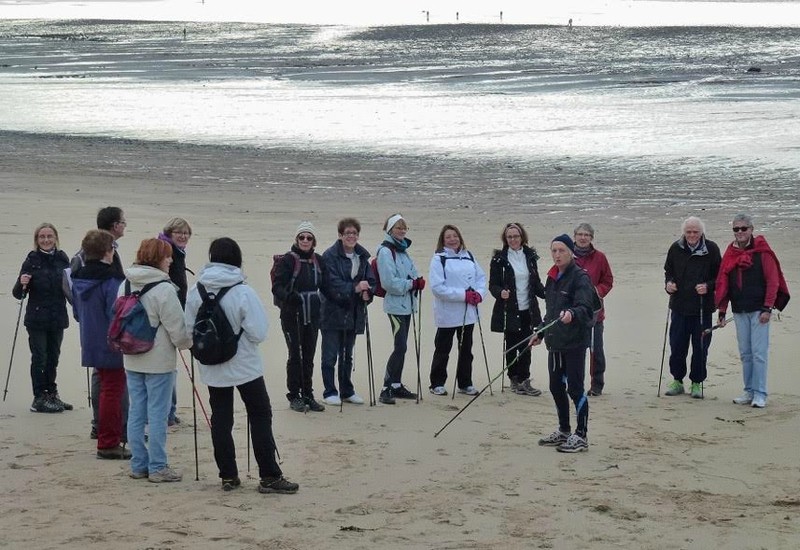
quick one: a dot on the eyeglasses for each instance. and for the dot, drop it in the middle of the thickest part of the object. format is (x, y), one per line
(305, 237)
(182, 233)
(509, 237)
(350, 233)
(741, 228)
(583, 234)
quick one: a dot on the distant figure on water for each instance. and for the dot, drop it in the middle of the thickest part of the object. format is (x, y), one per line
(569, 24)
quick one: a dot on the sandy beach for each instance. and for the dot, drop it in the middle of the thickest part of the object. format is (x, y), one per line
(660, 473)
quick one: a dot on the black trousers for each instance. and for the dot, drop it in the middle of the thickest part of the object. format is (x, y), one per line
(567, 372)
(259, 412)
(521, 369)
(443, 343)
(45, 348)
(301, 341)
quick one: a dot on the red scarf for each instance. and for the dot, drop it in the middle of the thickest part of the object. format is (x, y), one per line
(742, 259)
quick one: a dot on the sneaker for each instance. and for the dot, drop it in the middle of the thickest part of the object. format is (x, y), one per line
(114, 453)
(403, 393)
(332, 400)
(745, 399)
(439, 390)
(469, 390)
(138, 475)
(277, 485)
(696, 390)
(174, 421)
(555, 439)
(525, 388)
(386, 396)
(574, 444)
(298, 404)
(675, 388)
(314, 405)
(759, 401)
(93, 433)
(55, 398)
(231, 484)
(595, 392)
(355, 399)
(165, 475)
(43, 404)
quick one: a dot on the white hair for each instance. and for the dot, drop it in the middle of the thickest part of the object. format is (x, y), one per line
(693, 220)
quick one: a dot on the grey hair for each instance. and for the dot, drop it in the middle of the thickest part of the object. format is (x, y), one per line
(693, 220)
(584, 227)
(741, 217)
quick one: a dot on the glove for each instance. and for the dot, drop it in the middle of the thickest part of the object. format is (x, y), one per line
(418, 284)
(472, 297)
(294, 299)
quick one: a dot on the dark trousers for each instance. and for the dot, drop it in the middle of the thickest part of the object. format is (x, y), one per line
(521, 368)
(443, 343)
(301, 341)
(259, 413)
(109, 426)
(682, 330)
(597, 358)
(45, 349)
(95, 396)
(337, 347)
(567, 372)
(394, 366)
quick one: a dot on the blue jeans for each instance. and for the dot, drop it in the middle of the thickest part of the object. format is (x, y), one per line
(150, 398)
(337, 346)
(753, 339)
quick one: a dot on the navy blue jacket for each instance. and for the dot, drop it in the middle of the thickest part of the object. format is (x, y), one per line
(342, 308)
(94, 290)
(574, 291)
(47, 306)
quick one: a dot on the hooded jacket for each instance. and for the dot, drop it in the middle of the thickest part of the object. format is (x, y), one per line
(596, 265)
(572, 290)
(505, 313)
(687, 269)
(342, 308)
(47, 305)
(450, 280)
(94, 290)
(245, 311)
(397, 272)
(308, 284)
(163, 311)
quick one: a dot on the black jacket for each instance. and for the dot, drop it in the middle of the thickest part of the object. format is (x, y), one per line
(687, 269)
(342, 308)
(47, 306)
(573, 291)
(505, 313)
(300, 298)
(177, 272)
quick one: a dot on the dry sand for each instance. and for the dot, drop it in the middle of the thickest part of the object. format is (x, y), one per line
(660, 472)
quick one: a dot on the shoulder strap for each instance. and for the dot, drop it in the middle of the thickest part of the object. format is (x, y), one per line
(127, 287)
(145, 288)
(223, 291)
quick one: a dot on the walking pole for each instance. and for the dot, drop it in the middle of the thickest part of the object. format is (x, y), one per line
(14, 345)
(341, 364)
(248, 445)
(302, 374)
(702, 349)
(460, 345)
(194, 422)
(195, 393)
(417, 341)
(370, 372)
(505, 340)
(88, 388)
(483, 345)
(663, 352)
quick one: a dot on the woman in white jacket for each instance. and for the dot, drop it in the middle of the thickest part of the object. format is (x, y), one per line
(151, 375)
(245, 371)
(458, 284)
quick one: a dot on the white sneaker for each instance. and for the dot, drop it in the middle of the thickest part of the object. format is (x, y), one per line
(745, 399)
(355, 399)
(759, 401)
(469, 390)
(439, 390)
(333, 400)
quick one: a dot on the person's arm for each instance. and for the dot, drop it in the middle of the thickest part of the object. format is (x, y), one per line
(251, 311)
(772, 278)
(170, 314)
(18, 291)
(480, 280)
(391, 279)
(283, 277)
(716, 261)
(337, 285)
(496, 277)
(606, 282)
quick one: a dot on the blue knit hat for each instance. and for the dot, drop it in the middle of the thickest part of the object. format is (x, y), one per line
(564, 238)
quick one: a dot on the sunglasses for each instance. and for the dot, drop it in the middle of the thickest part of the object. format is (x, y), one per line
(742, 228)
(305, 238)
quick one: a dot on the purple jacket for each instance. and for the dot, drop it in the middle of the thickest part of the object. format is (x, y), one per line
(94, 289)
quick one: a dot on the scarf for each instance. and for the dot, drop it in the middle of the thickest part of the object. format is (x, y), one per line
(400, 246)
(741, 259)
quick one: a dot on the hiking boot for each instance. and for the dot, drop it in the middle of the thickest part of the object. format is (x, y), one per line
(696, 390)
(114, 453)
(314, 405)
(355, 399)
(55, 398)
(277, 485)
(43, 404)
(93, 433)
(298, 404)
(469, 390)
(165, 475)
(231, 484)
(555, 439)
(574, 444)
(438, 390)
(525, 388)
(745, 399)
(386, 396)
(403, 393)
(333, 400)
(138, 475)
(675, 388)
(759, 401)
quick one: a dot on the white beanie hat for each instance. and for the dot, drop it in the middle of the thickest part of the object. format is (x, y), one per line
(305, 227)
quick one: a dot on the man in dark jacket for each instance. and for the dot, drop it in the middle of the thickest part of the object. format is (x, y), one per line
(569, 301)
(690, 272)
(350, 285)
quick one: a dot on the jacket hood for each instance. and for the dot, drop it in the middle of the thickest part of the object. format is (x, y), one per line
(140, 275)
(215, 275)
(92, 275)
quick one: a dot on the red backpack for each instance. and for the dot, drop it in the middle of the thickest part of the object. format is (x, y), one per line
(380, 292)
(298, 263)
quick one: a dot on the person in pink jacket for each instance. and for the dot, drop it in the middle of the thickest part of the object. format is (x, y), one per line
(596, 265)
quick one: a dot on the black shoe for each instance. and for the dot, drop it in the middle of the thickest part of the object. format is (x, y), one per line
(387, 397)
(43, 404)
(277, 485)
(298, 404)
(93, 433)
(231, 484)
(314, 405)
(114, 453)
(403, 393)
(594, 392)
(55, 398)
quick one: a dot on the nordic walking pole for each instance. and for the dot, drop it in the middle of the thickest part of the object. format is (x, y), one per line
(194, 422)
(505, 340)
(195, 393)
(302, 374)
(663, 352)
(88, 388)
(417, 339)
(248, 445)
(483, 345)
(718, 326)
(370, 371)
(14, 344)
(460, 346)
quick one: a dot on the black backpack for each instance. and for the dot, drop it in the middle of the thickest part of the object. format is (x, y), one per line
(213, 339)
